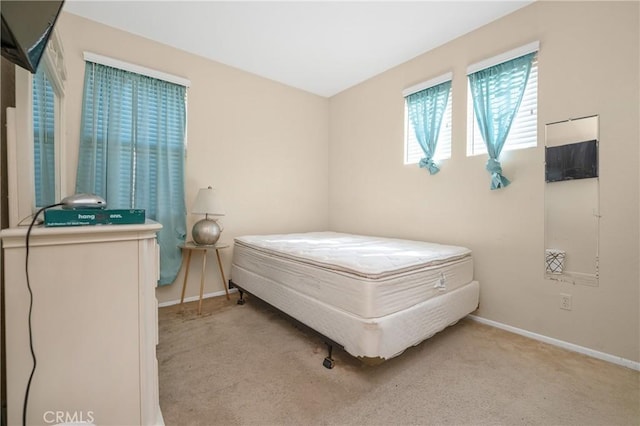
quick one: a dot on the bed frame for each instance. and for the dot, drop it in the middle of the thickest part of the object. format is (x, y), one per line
(328, 361)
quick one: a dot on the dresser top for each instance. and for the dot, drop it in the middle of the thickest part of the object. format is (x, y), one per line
(41, 235)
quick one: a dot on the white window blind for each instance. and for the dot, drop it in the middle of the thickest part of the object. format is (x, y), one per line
(413, 153)
(524, 130)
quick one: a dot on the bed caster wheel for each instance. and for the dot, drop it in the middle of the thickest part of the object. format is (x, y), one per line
(328, 363)
(240, 302)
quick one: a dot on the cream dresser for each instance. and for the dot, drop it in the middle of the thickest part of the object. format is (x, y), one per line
(94, 323)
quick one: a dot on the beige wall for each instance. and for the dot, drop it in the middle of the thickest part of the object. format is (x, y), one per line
(285, 160)
(261, 144)
(588, 64)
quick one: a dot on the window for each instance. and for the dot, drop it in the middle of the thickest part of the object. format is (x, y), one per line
(132, 151)
(413, 152)
(524, 130)
(426, 101)
(44, 139)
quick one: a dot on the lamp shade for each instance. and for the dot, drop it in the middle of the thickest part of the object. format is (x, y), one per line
(207, 203)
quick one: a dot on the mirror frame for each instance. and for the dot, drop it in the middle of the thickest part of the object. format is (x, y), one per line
(577, 277)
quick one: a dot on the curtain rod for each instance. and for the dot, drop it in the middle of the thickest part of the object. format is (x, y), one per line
(426, 84)
(138, 69)
(504, 57)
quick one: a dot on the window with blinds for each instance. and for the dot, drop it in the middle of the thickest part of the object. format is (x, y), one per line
(131, 146)
(43, 139)
(413, 153)
(524, 130)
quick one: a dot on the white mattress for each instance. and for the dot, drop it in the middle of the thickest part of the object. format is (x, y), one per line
(369, 277)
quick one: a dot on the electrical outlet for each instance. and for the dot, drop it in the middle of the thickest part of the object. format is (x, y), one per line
(565, 301)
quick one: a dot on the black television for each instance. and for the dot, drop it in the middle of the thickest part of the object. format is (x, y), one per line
(26, 28)
(572, 161)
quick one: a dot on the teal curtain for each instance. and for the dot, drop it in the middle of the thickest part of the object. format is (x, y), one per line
(44, 139)
(132, 151)
(497, 93)
(426, 109)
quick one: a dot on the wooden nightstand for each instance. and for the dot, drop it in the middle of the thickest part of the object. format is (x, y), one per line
(190, 247)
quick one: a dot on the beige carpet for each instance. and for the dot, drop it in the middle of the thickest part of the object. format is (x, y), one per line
(247, 365)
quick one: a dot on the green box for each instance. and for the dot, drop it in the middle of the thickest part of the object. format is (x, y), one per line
(81, 217)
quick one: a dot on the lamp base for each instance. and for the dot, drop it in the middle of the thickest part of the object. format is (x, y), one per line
(206, 232)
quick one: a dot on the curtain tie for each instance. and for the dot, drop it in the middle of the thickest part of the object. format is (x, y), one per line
(427, 163)
(497, 179)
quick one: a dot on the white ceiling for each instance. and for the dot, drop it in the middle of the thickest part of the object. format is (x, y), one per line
(322, 47)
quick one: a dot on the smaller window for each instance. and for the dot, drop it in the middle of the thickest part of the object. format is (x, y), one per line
(413, 153)
(412, 149)
(524, 130)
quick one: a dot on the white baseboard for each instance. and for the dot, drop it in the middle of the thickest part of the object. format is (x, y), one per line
(560, 343)
(193, 298)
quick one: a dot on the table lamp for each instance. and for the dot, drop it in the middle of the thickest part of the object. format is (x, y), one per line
(206, 231)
